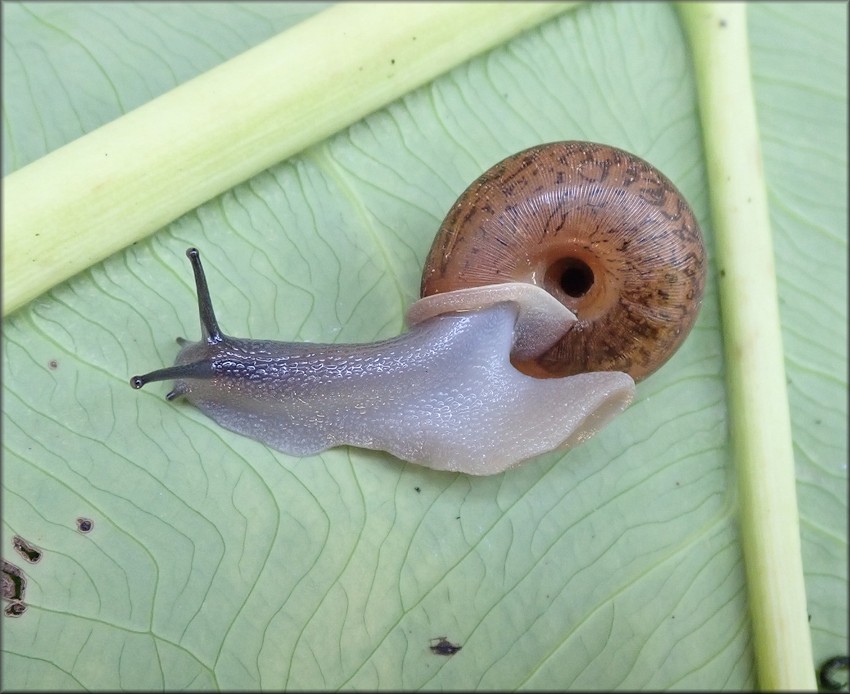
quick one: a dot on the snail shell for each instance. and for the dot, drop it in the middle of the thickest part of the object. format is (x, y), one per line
(602, 231)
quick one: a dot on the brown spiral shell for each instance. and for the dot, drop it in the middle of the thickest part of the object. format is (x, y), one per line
(600, 229)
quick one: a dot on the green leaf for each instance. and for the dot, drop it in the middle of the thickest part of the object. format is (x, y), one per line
(215, 562)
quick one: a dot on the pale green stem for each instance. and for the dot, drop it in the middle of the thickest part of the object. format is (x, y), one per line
(758, 401)
(123, 181)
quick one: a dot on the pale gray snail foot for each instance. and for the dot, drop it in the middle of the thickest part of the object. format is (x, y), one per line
(443, 395)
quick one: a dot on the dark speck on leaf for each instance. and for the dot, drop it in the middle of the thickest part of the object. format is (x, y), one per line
(16, 609)
(14, 583)
(442, 646)
(29, 552)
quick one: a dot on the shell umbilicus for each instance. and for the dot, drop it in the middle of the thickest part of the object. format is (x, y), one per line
(562, 248)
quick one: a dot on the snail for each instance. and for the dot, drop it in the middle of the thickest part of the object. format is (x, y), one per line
(560, 277)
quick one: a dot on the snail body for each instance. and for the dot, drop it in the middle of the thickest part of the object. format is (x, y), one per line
(419, 396)
(446, 394)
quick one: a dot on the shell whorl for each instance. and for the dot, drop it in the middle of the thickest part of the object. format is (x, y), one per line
(601, 230)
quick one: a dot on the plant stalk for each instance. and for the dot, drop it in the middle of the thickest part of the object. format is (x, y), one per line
(757, 396)
(98, 194)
